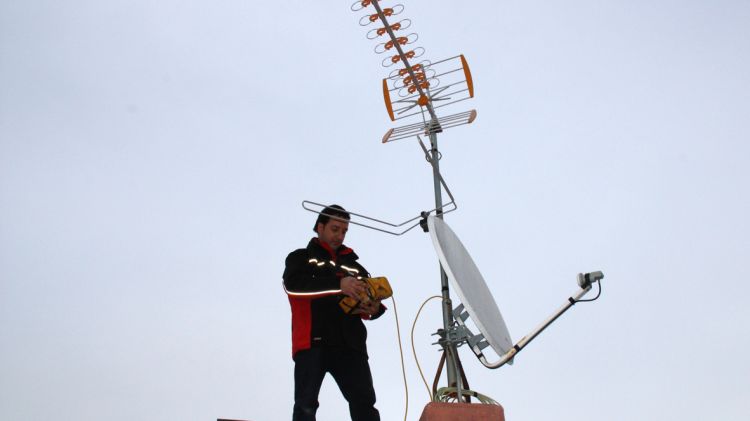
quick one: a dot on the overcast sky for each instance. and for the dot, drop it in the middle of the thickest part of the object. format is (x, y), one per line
(154, 154)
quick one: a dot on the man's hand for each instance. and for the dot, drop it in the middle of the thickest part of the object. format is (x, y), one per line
(352, 287)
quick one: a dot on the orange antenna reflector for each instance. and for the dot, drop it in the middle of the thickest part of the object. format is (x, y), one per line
(467, 75)
(387, 98)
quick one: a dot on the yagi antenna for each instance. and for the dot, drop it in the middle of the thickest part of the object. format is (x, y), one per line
(414, 86)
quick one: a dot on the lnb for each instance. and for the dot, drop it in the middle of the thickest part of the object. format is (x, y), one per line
(586, 279)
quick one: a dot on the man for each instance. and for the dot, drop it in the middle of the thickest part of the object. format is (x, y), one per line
(324, 338)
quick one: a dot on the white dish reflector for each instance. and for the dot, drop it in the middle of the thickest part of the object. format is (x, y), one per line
(469, 284)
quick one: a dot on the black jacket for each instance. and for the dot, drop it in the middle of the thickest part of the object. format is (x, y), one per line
(312, 280)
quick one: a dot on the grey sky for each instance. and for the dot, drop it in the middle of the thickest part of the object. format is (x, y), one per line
(153, 156)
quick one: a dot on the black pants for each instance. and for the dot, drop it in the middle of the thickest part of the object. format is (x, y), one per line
(351, 371)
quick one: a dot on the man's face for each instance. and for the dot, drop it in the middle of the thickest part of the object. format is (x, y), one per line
(333, 233)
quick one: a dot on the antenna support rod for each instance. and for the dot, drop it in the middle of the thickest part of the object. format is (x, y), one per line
(448, 348)
(584, 281)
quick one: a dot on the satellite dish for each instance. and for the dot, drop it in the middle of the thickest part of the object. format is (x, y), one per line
(469, 285)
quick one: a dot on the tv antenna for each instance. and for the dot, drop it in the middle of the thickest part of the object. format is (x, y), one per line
(414, 89)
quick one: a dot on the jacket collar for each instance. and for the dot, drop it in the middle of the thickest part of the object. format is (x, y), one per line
(316, 244)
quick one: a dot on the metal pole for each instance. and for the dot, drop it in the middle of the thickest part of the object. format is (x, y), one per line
(451, 368)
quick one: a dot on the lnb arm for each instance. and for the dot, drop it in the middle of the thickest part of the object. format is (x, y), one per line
(585, 282)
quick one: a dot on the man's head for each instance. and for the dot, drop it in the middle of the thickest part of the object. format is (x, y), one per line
(332, 225)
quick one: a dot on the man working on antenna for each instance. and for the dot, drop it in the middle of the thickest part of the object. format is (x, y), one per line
(325, 339)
